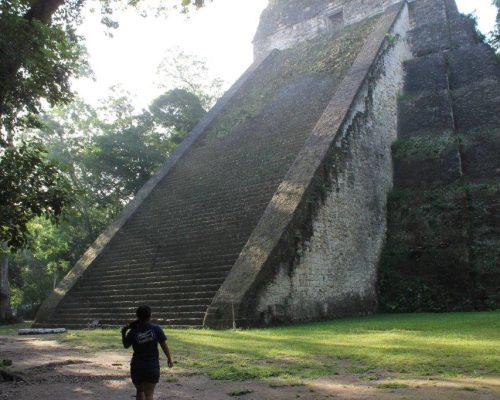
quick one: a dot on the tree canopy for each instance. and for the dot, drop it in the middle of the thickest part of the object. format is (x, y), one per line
(31, 185)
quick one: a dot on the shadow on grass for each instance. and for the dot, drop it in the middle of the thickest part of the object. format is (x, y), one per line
(418, 344)
(423, 344)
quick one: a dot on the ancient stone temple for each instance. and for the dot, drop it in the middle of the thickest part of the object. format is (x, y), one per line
(361, 124)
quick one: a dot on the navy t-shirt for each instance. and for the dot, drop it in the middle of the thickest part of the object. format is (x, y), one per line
(144, 338)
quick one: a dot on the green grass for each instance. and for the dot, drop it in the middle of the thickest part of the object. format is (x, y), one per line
(12, 329)
(392, 385)
(455, 344)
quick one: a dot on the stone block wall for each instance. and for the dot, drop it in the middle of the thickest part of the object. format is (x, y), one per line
(443, 242)
(285, 23)
(335, 270)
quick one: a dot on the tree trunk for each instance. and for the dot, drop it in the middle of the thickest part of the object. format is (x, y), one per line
(41, 10)
(5, 310)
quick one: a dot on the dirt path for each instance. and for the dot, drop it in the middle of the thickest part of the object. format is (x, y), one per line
(54, 371)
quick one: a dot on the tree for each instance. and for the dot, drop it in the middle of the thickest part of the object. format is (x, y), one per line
(37, 62)
(495, 34)
(31, 185)
(126, 154)
(177, 111)
(40, 53)
(181, 70)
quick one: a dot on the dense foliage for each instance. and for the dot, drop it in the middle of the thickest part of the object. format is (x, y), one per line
(31, 185)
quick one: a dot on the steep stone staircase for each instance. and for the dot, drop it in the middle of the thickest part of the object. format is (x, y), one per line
(177, 249)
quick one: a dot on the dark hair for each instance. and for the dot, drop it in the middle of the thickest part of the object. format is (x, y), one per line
(143, 313)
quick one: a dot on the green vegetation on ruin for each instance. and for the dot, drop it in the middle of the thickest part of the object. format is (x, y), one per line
(329, 55)
(479, 137)
(430, 146)
(455, 344)
(445, 226)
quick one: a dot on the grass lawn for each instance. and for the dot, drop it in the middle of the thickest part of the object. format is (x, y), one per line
(454, 344)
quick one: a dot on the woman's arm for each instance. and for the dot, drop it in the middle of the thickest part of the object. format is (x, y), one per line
(165, 349)
(125, 340)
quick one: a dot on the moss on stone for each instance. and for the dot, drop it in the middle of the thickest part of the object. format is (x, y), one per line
(285, 13)
(442, 251)
(425, 146)
(479, 136)
(327, 55)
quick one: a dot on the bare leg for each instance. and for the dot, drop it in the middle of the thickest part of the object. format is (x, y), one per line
(140, 392)
(149, 389)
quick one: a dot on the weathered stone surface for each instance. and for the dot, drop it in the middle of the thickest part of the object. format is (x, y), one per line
(425, 74)
(254, 284)
(425, 261)
(442, 250)
(476, 105)
(480, 155)
(285, 23)
(428, 172)
(430, 38)
(424, 113)
(466, 70)
(48, 307)
(335, 270)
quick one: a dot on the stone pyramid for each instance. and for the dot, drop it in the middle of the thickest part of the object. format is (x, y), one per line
(274, 209)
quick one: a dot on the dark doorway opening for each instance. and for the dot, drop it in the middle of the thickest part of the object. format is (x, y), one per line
(336, 21)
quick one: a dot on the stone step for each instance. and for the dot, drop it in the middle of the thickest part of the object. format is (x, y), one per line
(187, 254)
(218, 232)
(424, 113)
(149, 272)
(192, 215)
(99, 281)
(154, 274)
(112, 310)
(204, 201)
(425, 74)
(424, 12)
(476, 105)
(472, 64)
(162, 301)
(80, 326)
(193, 257)
(197, 231)
(127, 290)
(153, 298)
(157, 268)
(167, 262)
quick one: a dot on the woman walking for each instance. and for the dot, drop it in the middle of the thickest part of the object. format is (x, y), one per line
(144, 338)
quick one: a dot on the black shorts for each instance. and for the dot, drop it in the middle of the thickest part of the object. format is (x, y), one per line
(144, 375)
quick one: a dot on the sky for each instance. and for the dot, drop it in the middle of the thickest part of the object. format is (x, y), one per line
(221, 34)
